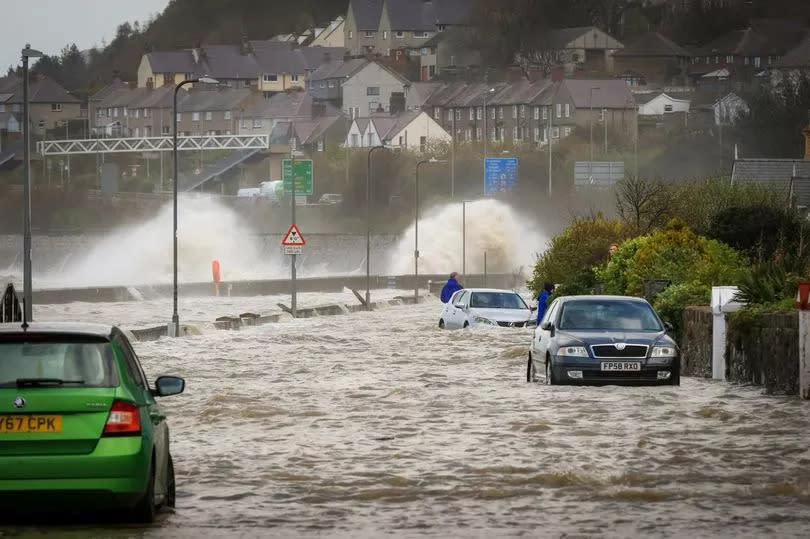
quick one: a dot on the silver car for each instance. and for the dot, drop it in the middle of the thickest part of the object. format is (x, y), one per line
(485, 307)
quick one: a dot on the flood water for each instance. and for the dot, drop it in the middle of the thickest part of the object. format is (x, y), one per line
(379, 423)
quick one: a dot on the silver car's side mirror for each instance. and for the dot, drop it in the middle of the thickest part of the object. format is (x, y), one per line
(547, 326)
(459, 306)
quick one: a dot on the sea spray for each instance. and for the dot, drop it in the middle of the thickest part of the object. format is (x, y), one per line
(142, 254)
(511, 241)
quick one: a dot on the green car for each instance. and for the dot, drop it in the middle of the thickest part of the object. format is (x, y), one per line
(79, 423)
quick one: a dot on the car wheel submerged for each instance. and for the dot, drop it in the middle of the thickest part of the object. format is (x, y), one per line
(145, 509)
(441, 323)
(675, 378)
(171, 494)
(550, 381)
(531, 371)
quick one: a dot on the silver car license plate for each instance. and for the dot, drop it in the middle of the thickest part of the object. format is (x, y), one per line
(621, 366)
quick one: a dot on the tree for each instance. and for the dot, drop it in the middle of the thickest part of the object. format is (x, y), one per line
(643, 205)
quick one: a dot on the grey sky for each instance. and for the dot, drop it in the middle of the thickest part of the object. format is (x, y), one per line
(49, 25)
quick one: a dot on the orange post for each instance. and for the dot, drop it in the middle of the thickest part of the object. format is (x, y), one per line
(216, 275)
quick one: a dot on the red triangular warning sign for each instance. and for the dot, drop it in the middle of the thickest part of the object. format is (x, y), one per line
(293, 237)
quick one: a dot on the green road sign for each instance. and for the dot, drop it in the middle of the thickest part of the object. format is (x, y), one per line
(303, 176)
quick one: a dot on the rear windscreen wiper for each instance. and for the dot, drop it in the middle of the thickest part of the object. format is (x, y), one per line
(45, 382)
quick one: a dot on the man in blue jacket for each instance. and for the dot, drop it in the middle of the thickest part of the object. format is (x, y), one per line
(542, 301)
(451, 287)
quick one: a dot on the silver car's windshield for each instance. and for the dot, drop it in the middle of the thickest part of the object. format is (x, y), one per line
(497, 300)
(623, 315)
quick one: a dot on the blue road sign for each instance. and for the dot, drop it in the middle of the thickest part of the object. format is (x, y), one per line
(500, 174)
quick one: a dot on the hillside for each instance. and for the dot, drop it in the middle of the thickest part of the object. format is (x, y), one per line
(183, 24)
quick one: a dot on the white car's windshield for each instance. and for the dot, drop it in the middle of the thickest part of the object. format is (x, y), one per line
(625, 315)
(497, 300)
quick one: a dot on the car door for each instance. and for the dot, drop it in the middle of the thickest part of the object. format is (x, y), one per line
(542, 337)
(455, 318)
(154, 412)
(462, 313)
(449, 310)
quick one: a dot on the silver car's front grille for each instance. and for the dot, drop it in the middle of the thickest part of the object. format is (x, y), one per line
(620, 350)
(511, 324)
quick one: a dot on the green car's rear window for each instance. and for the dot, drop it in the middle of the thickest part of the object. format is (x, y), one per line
(77, 364)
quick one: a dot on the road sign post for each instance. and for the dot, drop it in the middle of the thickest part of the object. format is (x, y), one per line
(293, 244)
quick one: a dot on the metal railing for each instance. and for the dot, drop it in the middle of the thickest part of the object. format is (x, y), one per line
(153, 144)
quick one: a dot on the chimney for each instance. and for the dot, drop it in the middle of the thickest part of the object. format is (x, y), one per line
(514, 74)
(397, 103)
(557, 73)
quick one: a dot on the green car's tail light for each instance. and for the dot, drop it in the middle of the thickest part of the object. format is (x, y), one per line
(124, 420)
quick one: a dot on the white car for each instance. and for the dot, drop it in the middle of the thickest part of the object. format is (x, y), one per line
(485, 307)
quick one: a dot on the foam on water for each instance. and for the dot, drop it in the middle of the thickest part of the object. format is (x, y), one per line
(511, 241)
(142, 254)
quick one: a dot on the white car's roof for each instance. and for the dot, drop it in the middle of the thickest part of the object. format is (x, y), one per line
(490, 290)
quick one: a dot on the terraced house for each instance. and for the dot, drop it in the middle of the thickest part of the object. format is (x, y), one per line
(51, 106)
(383, 26)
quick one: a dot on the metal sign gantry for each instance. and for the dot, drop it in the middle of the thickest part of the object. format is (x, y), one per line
(153, 144)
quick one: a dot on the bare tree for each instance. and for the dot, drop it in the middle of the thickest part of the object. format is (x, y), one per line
(644, 205)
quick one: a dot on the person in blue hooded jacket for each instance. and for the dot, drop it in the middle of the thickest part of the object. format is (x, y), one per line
(451, 287)
(542, 300)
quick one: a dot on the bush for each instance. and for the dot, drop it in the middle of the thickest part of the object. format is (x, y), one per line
(572, 256)
(767, 283)
(671, 302)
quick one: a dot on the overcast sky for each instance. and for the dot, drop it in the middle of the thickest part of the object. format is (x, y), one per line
(49, 25)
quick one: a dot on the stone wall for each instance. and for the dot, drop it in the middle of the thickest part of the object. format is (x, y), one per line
(764, 350)
(696, 343)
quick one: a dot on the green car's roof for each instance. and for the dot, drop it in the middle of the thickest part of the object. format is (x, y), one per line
(61, 328)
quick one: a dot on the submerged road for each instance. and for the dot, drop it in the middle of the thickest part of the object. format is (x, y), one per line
(380, 423)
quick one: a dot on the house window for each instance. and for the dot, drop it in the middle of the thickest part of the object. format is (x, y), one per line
(41, 124)
(503, 133)
(729, 59)
(115, 112)
(523, 111)
(500, 113)
(555, 132)
(164, 130)
(458, 115)
(373, 90)
(385, 34)
(545, 112)
(271, 77)
(479, 113)
(195, 116)
(294, 77)
(331, 83)
(437, 113)
(323, 84)
(492, 113)
(351, 34)
(515, 133)
(209, 115)
(559, 110)
(745, 61)
(716, 59)
(567, 110)
(536, 113)
(257, 123)
(469, 134)
(667, 108)
(472, 113)
(514, 111)
(369, 33)
(137, 113)
(179, 116)
(537, 134)
(566, 131)
(420, 34)
(708, 60)
(399, 34)
(371, 139)
(320, 145)
(494, 133)
(56, 107)
(137, 132)
(477, 133)
(450, 115)
(355, 142)
(227, 115)
(422, 144)
(125, 112)
(757, 61)
(146, 113)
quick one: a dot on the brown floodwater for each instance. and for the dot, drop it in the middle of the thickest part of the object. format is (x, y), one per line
(380, 423)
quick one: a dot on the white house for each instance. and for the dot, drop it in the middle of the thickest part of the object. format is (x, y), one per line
(412, 130)
(658, 104)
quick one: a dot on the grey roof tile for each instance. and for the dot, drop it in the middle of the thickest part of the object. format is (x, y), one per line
(775, 174)
(653, 44)
(367, 13)
(172, 62)
(612, 93)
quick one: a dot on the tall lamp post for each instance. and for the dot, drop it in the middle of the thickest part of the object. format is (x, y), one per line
(464, 238)
(416, 228)
(174, 328)
(590, 127)
(368, 226)
(27, 53)
(487, 92)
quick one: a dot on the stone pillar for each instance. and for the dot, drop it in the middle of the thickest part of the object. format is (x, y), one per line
(804, 354)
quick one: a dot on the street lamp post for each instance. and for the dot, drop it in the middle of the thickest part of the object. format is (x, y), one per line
(590, 127)
(464, 238)
(416, 228)
(27, 53)
(368, 226)
(488, 91)
(174, 328)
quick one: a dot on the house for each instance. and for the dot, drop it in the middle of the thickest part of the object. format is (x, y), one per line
(661, 103)
(382, 26)
(167, 68)
(652, 59)
(359, 86)
(584, 49)
(149, 114)
(332, 35)
(599, 101)
(10, 122)
(50, 105)
(290, 107)
(744, 53)
(411, 130)
(211, 112)
(447, 52)
(788, 176)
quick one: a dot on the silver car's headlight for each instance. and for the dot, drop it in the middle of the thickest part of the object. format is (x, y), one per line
(481, 320)
(663, 353)
(572, 351)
